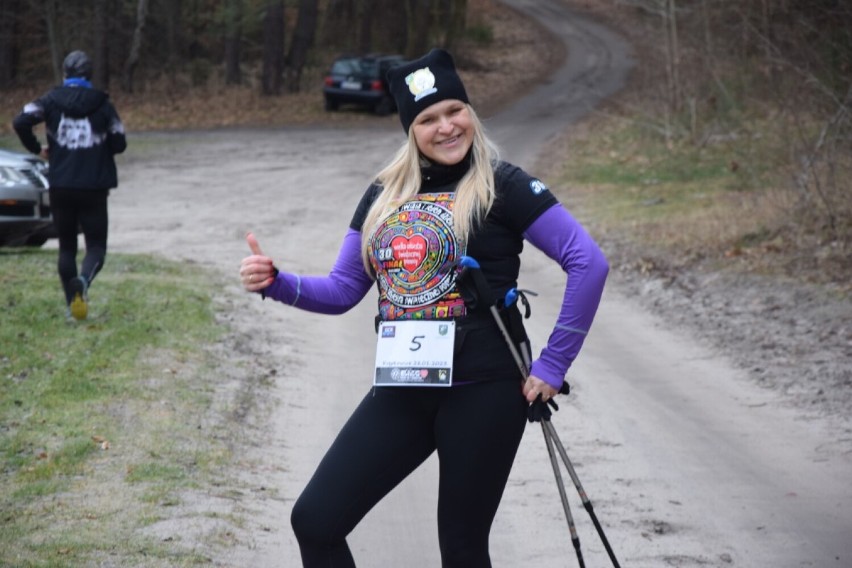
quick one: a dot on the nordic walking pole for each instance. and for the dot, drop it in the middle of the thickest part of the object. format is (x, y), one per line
(476, 293)
(587, 504)
(575, 539)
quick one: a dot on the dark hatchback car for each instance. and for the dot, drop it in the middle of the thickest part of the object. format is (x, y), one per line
(362, 81)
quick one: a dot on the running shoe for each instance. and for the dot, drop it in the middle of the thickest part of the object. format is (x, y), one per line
(79, 301)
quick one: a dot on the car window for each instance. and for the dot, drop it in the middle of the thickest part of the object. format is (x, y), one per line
(369, 67)
(346, 67)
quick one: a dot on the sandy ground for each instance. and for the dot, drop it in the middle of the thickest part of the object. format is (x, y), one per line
(689, 455)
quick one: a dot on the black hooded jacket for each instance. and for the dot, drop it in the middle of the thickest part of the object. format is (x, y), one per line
(84, 132)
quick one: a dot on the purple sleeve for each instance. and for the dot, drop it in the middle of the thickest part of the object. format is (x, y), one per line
(562, 238)
(341, 290)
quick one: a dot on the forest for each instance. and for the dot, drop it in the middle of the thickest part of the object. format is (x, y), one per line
(134, 40)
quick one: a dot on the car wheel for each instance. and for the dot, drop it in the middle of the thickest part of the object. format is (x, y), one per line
(384, 107)
(331, 104)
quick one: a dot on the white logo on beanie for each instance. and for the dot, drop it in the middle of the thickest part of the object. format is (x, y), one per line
(421, 83)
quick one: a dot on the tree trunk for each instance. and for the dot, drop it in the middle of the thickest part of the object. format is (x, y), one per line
(233, 39)
(365, 30)
(766, 28)
(273, 47)
(419, 22)
(303, 38)
(673, 59)
(456, 22)
(100, 55)
(707, 28)
(388, 35)
(174, 36)
(135, 45)
(49, 14)
(338, 30)
(8, 48)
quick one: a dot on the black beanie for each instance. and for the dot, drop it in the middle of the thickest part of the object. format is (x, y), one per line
(423, 82)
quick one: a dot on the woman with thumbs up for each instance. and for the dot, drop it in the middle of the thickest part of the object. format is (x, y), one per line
(445, 380)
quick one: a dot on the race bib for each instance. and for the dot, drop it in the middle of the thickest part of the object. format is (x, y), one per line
(415, 353)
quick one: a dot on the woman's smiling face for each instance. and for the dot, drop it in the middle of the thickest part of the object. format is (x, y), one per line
(444, 132)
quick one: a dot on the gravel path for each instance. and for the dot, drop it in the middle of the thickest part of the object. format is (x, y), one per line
(697, 422)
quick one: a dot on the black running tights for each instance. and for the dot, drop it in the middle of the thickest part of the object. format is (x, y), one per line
(476, 429)
(72, 210)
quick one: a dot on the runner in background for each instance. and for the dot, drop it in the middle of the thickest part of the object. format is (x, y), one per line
(84, 133)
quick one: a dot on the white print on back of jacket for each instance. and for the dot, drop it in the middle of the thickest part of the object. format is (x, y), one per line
(75, 133)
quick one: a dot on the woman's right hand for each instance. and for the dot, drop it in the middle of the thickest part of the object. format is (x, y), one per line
(257, 270)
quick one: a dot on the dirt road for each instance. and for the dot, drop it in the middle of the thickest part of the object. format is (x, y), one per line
(686, 461)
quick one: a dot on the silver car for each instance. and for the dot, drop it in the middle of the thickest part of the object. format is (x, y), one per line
(24, 201)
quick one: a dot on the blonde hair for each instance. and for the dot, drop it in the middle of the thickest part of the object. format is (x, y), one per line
(401, 180)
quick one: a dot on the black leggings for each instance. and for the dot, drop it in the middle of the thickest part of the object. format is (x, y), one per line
(75, 209)
(476, 429)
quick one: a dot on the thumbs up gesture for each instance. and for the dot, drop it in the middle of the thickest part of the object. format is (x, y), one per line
(256, 270)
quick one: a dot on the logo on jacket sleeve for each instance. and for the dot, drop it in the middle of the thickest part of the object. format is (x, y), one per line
(537, 187)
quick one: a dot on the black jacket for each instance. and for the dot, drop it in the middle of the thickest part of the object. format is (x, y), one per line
(83, 131)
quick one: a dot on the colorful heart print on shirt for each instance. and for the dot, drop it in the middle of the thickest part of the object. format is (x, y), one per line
(413, 253)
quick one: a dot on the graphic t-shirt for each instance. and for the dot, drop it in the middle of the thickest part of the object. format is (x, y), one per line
(413, 253)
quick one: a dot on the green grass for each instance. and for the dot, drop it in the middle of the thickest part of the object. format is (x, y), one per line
(669, 196)
(102, 422)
